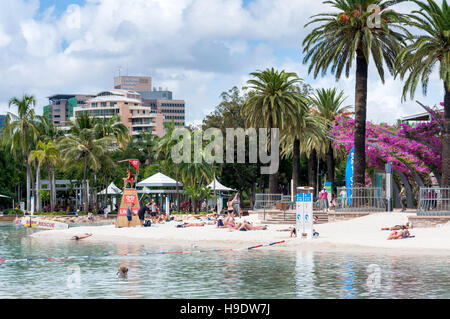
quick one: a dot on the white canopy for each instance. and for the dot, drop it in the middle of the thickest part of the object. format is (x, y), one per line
(219, 187)
(111, 190)
(159, 180)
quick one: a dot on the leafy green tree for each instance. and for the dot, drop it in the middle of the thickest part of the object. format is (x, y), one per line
(418, 59)
(356, 32)
(272, 103)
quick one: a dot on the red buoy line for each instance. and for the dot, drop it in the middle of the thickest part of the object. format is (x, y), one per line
(3, 261)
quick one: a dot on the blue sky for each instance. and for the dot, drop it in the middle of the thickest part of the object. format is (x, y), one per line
(196, 48)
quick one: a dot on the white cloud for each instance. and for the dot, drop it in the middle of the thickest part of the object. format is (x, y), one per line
(196, 48)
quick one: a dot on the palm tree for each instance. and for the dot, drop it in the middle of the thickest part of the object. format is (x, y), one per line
(328, 104)
(348, 35)
(315, 148)
(113, 127)
(304, 125)
(83, 145)
(420, 57)
(20, 134)
(164, 151)
(49, 155)
(49, 132)
(272, 103)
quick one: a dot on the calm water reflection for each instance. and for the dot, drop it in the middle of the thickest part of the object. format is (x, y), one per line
(254, 274)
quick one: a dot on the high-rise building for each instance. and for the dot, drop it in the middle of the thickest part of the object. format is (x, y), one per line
(128, 105)
(161, 102)
(60, 109)
(133, 83)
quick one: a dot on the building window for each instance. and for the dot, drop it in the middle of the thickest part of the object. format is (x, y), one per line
(103, 104)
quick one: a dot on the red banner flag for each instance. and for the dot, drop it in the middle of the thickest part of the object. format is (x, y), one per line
(135, 163)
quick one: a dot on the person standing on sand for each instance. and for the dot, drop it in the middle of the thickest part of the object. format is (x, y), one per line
(403, 197)
(324, 200)
(129, 214)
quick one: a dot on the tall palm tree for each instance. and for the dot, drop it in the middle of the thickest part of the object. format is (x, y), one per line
(315, 148)
(48, 155)
(83, 145)
(328, 104)
(419, 58)
(304, 125)
(20, 134)
(49, 132)
(272, 103)
(163, 150)
(348, 35)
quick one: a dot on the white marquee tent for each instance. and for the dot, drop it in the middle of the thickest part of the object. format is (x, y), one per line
(112, 189)
(219, 187)
(159, 180)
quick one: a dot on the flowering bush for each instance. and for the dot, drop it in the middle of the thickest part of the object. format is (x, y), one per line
(409, 148)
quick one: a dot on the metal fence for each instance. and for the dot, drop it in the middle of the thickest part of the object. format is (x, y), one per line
(434, 202)
(266, 201)
(360, 199)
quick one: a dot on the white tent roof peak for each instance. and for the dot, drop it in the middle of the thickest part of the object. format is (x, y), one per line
(159, 180)
(219, 186)
(112, 189)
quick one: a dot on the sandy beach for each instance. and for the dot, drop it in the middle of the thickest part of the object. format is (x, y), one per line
(363, 232)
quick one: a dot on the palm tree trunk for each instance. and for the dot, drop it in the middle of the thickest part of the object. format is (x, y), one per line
(296, 163)
(360, 119)
(53, 185)
(28, 187)
(85, 192)
(446, 140)
(51, 177)
(38, 186)
(312, 170)
(273, 178)
(331, 166)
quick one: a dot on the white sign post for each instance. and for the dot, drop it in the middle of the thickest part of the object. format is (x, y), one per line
(305, 218)
(167, 206)
(299, 215)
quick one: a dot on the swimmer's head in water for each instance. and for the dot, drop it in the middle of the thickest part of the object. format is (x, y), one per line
(123, 270)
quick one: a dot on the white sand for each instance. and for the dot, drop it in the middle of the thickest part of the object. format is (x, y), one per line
(356, 233)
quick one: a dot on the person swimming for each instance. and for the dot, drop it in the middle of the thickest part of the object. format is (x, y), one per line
(78, 237)
(122, 272)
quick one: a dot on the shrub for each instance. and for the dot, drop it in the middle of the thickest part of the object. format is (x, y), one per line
(11, 211)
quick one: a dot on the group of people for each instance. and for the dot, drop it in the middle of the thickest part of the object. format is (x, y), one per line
(152, 209)
(399, 231)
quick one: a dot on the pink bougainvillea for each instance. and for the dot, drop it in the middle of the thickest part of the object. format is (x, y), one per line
(408, 147)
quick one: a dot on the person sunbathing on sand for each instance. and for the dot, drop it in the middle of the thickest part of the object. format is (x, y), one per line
(244, 226)
(398, 227)
(78, 237)
(400, 235)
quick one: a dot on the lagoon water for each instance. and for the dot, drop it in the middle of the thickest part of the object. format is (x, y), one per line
(259, 273)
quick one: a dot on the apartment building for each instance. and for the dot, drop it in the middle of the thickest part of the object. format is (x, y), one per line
(60, 108)
(128, 105)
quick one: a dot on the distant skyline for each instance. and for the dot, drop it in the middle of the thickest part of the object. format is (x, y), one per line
(195, 48)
